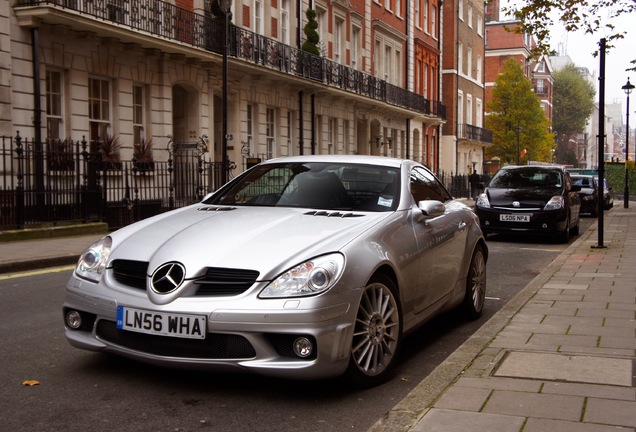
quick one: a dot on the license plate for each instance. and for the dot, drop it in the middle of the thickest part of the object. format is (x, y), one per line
(161, 323)
(514, 218)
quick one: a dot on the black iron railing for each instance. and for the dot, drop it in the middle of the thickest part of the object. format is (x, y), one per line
(475, 133)
(79, 186)
(168, 21)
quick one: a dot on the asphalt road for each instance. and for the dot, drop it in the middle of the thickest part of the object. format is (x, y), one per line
(80, 390)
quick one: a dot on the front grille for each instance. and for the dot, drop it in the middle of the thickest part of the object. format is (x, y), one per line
(215, 282)
(225, 282)
(130, 273)
(214, 346)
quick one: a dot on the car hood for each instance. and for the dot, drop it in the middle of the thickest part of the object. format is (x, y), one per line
(529, 197)
(265, 239)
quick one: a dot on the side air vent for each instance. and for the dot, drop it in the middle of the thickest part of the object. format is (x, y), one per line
(215, 209)
(332, 214)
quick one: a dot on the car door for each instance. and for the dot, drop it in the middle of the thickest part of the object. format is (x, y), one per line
(440, 240)
(573, 199)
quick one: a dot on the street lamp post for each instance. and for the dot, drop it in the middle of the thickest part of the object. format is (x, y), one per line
(226, 6)
(627, 88)
(518, 145)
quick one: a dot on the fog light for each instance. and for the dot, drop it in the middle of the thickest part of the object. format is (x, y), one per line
(487, 223)
(303, 347)
(74, 319)
(544, 226)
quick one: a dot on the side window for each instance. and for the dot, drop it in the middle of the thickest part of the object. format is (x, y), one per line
(424, 186)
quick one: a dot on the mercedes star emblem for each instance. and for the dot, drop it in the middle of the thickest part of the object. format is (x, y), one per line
(167, 278)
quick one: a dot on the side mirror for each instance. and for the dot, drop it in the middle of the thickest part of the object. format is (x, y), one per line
(576, 188)
(431, 208)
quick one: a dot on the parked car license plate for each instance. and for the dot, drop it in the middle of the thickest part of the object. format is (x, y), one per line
(161, 323)
(514, 218)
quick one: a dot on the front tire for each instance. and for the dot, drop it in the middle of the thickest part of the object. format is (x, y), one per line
(377, 333)
(476, 285)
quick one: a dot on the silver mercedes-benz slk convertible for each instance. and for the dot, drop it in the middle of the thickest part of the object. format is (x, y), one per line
(302, 267)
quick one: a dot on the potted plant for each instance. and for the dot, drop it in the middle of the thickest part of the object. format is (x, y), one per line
(110, 151)
(143, 159)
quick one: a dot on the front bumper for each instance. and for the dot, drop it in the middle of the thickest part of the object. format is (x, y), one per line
(552, 221)
(244, 334)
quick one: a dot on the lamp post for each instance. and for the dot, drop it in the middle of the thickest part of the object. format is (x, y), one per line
(518, 145)
(627, 88)
(226, 6)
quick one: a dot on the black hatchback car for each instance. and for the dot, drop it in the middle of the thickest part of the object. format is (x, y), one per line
(534, 199)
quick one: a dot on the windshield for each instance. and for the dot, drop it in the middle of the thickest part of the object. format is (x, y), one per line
(587, 182)
(527, 177)
(325, 186)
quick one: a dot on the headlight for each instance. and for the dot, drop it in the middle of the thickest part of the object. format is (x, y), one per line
(93, 261)
(555, 203)
(309, 278)
(482, 201)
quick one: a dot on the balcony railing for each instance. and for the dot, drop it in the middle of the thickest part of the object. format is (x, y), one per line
(474, 133)
(165, 20)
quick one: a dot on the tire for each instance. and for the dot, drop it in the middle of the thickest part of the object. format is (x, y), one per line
(377, 333)
(476, 285)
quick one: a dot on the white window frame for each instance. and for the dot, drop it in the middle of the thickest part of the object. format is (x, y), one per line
(460, 10)
(434, 22)
(54, 103)
(138, 108)
(259, 18)
(249, 127)
(469, 62)
(388, 54)
(377, 57)
(323, 28)
(356, 35)
(479, 107)
(425, 18)
(470, 16)
(479, 76)
(460, 108)
(270, 131)
(480, 25)
(397, 73)
(99, 107)
(418, 13)
(284, 21)
(339, 25)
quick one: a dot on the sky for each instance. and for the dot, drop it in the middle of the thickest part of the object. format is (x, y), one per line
(580, 48)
